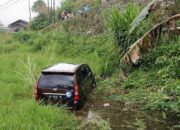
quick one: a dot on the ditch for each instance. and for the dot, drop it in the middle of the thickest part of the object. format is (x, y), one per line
(127, 116)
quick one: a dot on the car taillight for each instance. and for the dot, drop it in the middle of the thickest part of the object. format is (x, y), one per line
(76, 93)
(36, 91)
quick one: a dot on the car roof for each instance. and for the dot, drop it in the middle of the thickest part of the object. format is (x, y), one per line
(63, 68)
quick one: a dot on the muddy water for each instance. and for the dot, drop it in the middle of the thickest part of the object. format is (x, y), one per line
(126, 116)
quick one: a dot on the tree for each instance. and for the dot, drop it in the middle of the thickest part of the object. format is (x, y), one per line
(41, 21)
(40, 7)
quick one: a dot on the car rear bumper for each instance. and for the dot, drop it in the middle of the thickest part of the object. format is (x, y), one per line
(56, 98)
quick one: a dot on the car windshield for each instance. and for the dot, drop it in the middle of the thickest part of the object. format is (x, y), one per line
(56, 80)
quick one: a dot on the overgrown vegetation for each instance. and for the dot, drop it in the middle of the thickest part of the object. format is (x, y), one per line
(154, 85)
(18, 109)
(156, 82)
(120, 23)
(42, 19)
(22, 58)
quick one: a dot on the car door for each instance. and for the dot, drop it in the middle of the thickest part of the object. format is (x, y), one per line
(87, 79)
(80, 82)
(85, 82)
(90, 77)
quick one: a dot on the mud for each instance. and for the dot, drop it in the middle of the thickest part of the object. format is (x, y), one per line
(127, 116)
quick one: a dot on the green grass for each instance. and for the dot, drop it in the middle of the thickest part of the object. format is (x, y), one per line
(120, 22)
(18, 108)
(154, 85)
(156, 82)
(24, 55)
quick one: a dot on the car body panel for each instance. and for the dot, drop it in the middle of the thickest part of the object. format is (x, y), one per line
(55, 90)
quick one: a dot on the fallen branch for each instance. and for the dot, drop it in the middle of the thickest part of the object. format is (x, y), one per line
(147, 42)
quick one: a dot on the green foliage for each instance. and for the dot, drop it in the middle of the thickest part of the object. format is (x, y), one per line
(8, 48)
(32, 52)
(66, 44)
(39, 43)
(155, 84)
(73, 5)
(39, 22)
(107, 67)
(174, 9)
(159, 75)
(37, 5)
(67, 5)
(18, 109)
(25, 37)
(120, 24)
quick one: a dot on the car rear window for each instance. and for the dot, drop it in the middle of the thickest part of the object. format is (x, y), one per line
(56, 80)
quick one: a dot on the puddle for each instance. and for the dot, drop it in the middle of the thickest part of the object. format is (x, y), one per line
(127, 116)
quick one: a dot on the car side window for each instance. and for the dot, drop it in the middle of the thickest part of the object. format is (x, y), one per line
(87, 69)
(79, 76)
(82, 73)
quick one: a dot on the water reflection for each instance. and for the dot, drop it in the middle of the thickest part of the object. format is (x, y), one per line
(125, 116)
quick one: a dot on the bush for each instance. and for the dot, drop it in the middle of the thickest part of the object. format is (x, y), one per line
(39, 22)
(25, 37)
(106, 68)
(120, 24)
(39, 43)
(159, 75)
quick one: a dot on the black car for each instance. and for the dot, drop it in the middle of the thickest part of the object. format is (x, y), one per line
(63, 83)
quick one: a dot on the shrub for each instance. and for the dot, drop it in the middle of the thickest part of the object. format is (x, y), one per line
(159, 74)
(106, 68)
(119, 24)
(25, 37)
(39, 22)
(40, 43)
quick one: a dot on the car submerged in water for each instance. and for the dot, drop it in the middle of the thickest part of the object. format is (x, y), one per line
(63, 83)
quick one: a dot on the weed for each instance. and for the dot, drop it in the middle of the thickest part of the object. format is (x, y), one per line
(120, 23)
(21, 66)
(159, 75)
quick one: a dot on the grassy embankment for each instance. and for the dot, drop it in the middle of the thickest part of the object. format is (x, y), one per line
(154, 84)
(23, 56)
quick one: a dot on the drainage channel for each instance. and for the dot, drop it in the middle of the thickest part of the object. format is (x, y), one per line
(122, 116)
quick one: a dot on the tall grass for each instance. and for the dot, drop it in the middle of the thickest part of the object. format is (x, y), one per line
(120, 23)
(156, 82)
(21, 66)
(18, 110)
(76, 48)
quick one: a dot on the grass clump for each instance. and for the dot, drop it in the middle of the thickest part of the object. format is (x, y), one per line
(78, 48)
(18, 109)
(120, 23)
(30, 115)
